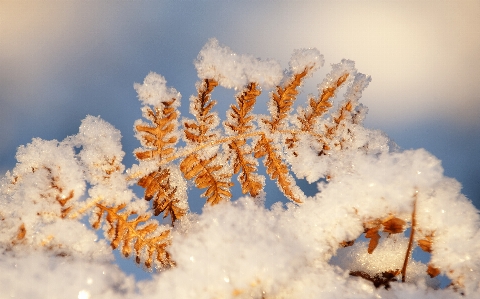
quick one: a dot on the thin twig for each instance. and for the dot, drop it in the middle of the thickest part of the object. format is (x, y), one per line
(410, 242)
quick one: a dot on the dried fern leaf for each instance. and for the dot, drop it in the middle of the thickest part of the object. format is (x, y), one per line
(283, 99)
(158, 135)
(158, 186)
(20, 237)
(208, 168)
(319, 106)
(426, 243)
(240, 122)
(433, 271)
(394, 225)
(374, 236)
(135, 238)
(199, 131)
(276, 168)
(249, 180)
(208, 174)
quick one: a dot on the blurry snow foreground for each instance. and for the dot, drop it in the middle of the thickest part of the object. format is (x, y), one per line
(240, 249)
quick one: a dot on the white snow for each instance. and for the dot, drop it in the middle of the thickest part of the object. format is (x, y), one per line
(233, 70)
(154, 91)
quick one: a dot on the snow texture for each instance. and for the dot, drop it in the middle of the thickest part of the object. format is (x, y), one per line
(154, 90)
(306, 59)
(232, 70)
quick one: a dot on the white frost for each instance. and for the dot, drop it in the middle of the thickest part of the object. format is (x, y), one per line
(232, 70)
(154, 91)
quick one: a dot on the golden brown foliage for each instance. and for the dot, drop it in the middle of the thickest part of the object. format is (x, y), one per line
(390, 224)
(241, 123)
(146, 241)
(319, 106)
(159, 137)
(283, 100)
(207, 174)
(275, 166)
(157, 185)
(426, 244)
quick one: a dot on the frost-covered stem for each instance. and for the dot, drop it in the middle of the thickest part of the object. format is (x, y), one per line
(189, 151)
(88, 205)
(410, 242)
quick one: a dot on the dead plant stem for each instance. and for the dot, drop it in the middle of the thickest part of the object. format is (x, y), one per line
(410, 242)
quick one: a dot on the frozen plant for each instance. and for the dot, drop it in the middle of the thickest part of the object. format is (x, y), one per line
(239, 249)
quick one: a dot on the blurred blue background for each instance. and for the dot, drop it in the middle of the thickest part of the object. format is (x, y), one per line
(62, 60)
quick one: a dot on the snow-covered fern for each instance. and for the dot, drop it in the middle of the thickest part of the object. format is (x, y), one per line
(311, 247)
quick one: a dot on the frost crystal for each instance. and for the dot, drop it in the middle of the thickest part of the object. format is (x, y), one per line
(306, 58)
(232, 70)
(154, 90)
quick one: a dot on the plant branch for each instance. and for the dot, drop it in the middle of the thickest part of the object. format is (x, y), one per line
(410, 242)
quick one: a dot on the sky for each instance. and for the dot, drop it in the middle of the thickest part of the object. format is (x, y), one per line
(63, 60)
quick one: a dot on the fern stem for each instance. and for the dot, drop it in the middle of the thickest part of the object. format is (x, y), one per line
(187, 152)
(88, 205)
(410, 242)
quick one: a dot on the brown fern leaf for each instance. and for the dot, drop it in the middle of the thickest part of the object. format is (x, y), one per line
(282, 100)
(157, 186)
(157, 135)
(331, 130)
(242, 159)
(62, 200)
(276, 168)
(433, 271)
(319, 106)
(240, 116)
(249, 180)
(390, 224)
(394, 225)
(208, 174)
(201, 106)
(57, 191)
(426, 243)
(208, 171)
(133, 237)
(374, 236)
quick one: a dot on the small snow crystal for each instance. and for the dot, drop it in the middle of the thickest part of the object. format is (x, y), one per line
(154, 90)
(235, 71)
(306, 58)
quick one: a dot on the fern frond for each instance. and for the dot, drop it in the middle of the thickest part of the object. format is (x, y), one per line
(148, 242)
(240, 122)
(158, 186)
(159, 135)
(200, 131)
(210, 174)
(317, 107)
(283, 99)
(276, 168)
(207, 169)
